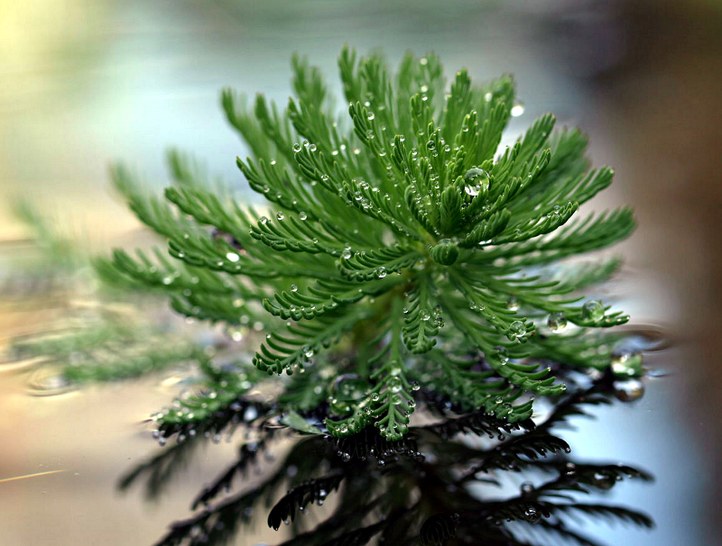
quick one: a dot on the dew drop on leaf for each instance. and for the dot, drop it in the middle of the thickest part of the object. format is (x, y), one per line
(557, 322)
(476, 180)
(516, 331)
(593, 310)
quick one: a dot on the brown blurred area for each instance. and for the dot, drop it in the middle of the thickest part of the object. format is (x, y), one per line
(662, 102)
(652, 70)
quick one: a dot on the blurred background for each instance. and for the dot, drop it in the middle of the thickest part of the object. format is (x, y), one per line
(87, 82)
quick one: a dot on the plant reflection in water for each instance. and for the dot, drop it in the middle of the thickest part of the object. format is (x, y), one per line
(463, 479)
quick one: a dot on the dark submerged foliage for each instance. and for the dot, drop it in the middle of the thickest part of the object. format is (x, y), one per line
(466, 479)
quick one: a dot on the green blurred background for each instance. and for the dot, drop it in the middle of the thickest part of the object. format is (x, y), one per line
(87, 82)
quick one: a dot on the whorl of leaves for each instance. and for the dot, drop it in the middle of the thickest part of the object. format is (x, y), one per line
(399, 226)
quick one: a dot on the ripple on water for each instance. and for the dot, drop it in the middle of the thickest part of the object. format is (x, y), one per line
(47, 381)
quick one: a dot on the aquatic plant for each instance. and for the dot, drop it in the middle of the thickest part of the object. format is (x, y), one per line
(401, 253)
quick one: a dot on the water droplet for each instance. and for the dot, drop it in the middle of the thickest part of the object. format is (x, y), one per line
(381, 272)
(425, 316)
(527, 488)
(502, 354)
(294, 288)
(346, 253)
(517, 110)
(531, 514)
(603, 480)
(557, 322)
(302, 215)
(232, 257)
(593, 311)
(629, 390)
(570, 469)
(488, 96)
(47, 382)
(512, 304)
(280, 216)
(476, 181)
(517, 331)
(627, 364)
(297, 147)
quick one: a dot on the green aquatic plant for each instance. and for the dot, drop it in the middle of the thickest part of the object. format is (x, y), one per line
(402, 248)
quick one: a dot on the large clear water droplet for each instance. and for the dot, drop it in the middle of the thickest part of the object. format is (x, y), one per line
(557, 322)
(593, 310)
(476, 180)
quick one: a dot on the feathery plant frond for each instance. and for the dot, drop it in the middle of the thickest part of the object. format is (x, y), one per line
(400, 244)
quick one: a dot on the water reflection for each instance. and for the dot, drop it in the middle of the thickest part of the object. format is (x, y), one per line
(462, 479)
